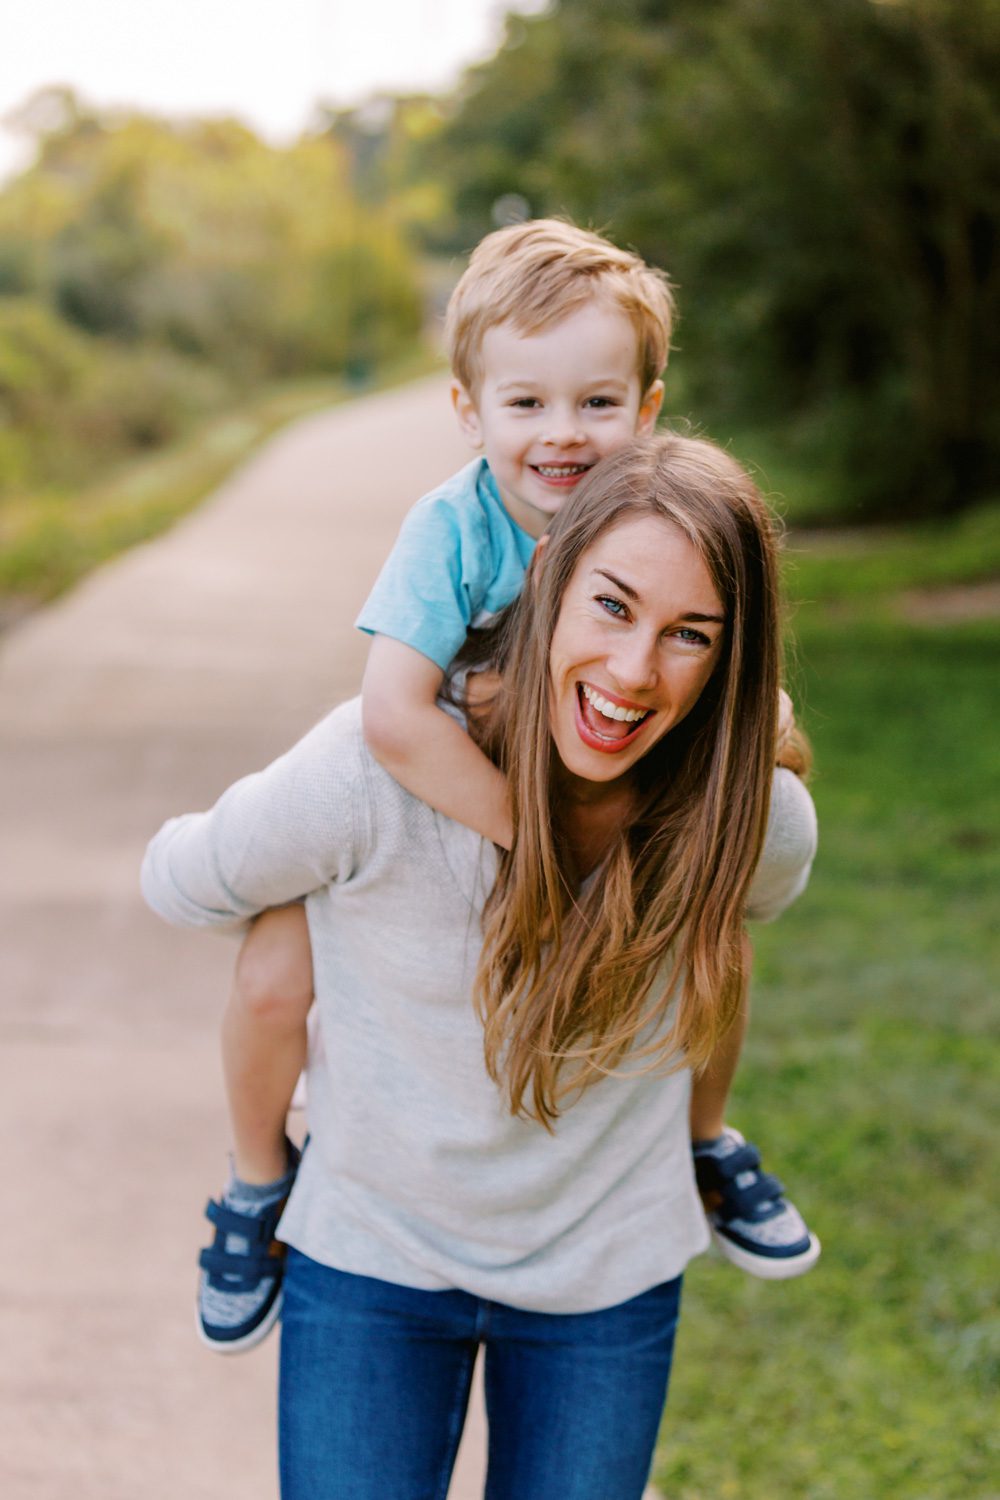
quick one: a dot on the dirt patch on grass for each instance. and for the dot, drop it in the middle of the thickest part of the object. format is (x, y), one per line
(967, 601)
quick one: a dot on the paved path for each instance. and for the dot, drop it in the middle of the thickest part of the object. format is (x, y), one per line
(146, 691)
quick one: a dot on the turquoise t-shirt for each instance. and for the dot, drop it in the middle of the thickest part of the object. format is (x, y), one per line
(458, 560)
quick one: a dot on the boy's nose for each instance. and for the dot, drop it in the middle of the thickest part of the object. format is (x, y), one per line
(563, 430)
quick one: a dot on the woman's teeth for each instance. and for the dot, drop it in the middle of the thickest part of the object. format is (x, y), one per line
(613, 710)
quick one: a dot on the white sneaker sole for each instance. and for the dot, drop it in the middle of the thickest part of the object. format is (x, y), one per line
(768, 1268)
(249, 1340)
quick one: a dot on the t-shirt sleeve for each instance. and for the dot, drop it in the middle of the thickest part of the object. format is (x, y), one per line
(789, 849)
(271, 838)
(434, 581)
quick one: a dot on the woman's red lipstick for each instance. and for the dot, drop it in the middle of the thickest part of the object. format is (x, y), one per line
(605, 743)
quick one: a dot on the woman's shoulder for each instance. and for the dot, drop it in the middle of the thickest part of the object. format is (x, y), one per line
(335, 744)
(792, 818)
(789, 848)
(341, 784)
(335, 751)
(341, 744)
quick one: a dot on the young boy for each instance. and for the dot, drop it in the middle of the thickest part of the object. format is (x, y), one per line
(557, 339)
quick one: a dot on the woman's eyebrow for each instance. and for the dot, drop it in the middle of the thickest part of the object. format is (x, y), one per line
(619, 583)
(630, 593)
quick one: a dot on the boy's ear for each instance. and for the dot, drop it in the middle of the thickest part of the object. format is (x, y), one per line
(467, 414)
(649, 409)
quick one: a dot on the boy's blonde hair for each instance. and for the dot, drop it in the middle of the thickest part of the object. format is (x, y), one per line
(535, 274)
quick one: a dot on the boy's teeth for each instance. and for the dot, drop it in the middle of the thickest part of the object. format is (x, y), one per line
(613, 710)
(561, 471)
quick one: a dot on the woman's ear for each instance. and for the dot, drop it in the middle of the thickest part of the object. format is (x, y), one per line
(467, 414)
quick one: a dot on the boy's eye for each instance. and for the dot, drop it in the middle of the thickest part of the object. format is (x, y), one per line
(600, 402)
(526, 403)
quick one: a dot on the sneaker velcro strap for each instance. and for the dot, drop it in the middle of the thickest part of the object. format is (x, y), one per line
(739, 1202)
(241, 1272)
(743, 1159)
(256, 1228)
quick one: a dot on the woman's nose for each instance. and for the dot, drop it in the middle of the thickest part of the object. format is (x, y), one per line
(633, 665)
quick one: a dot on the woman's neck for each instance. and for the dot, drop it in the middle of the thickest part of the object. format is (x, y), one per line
(591, 815)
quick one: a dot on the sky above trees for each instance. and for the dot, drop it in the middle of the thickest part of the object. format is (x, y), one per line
(268, 64)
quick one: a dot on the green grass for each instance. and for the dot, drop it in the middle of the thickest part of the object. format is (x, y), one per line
(860, 565)
(48, 542)
(871, 1080)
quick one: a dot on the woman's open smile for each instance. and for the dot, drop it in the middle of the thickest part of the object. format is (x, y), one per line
(605, 721)
(637, 639)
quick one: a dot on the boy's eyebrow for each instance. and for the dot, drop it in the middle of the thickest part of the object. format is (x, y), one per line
(630, 593)
(614, 381)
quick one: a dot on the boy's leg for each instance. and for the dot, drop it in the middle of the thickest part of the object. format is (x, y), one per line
(264, 1048)
(752, 1223)
(264, 1039)
(710, 1089)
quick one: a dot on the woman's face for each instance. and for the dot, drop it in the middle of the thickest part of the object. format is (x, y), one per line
(637, 639)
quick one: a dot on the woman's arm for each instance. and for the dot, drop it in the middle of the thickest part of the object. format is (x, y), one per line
(271, 838)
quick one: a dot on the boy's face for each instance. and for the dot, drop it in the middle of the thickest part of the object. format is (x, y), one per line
(553, 403)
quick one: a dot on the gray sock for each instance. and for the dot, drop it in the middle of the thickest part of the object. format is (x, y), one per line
(254, 1197)
(709, 1143)
(227, 1308)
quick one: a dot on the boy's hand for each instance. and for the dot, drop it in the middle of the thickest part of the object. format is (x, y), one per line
(480, 689)
(786, 722)
(792, 748)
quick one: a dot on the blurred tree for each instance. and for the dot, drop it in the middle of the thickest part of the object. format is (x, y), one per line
(822, 180)
(201, 236)
(162, 265)
(386, 142)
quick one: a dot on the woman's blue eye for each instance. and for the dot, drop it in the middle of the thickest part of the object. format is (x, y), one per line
(694, 637)
(613, 606)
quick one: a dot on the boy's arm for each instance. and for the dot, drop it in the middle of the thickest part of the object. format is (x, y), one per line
(425, 749)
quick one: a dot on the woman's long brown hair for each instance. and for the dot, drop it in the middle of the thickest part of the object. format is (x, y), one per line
(644, 963)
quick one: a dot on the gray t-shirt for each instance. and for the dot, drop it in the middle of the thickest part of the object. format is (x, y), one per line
(416, 1172)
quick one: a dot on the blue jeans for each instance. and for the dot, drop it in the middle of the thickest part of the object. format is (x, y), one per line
(375, 1381)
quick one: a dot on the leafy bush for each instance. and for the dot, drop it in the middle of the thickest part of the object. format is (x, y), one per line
(154, 270)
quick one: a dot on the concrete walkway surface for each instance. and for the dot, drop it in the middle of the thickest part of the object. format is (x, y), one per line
(161, 679)
(166, 675)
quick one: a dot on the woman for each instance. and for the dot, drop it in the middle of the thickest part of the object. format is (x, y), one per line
(500, 1078)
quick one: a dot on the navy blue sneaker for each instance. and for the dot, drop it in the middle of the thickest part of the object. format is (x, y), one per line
(751, 1223)
(239, 1292)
